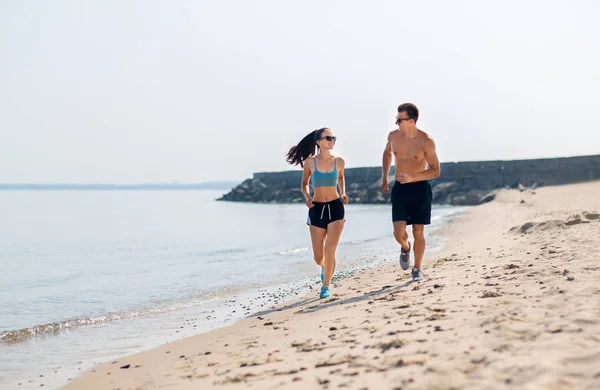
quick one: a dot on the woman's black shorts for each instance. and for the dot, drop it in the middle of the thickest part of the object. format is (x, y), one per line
(323, 213)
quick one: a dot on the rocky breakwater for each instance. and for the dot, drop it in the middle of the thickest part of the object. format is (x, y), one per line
(461, 183)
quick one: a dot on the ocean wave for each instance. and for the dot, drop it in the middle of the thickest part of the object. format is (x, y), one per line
(16, 336)
(221, 251)
(295, 250)
(20, 335)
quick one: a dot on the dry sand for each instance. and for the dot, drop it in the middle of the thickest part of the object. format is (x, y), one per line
(513, 301)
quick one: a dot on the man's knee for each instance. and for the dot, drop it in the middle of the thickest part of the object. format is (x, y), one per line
(399, 228)
(418, 231)
(399, 232)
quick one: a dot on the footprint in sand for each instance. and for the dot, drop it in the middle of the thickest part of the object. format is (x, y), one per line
(537, 226)
(490, 294)
(574, 220)
(567, 275)
(583, 359)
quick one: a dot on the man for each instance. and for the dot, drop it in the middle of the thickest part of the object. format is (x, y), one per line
(416, 163)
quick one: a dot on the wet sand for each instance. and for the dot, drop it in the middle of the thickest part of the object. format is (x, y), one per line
(512, 301)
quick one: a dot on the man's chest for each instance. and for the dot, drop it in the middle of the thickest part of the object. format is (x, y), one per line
(410, 151)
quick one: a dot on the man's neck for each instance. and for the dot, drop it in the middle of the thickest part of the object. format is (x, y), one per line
(410, 133)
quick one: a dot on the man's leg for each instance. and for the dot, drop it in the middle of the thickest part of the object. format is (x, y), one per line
(401, 235)
(419, 245)
(420, 216)
(400, 220)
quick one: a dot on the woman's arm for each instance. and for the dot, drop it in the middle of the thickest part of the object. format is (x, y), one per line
(342, 179)
(305, 180)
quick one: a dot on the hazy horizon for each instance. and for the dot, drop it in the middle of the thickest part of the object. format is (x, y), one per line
(206, 182)
(88, 183)
(150, 92)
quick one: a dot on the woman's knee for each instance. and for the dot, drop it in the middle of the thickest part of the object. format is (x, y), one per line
(329, 254)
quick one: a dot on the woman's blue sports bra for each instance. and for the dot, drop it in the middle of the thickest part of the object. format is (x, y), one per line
(324, 179)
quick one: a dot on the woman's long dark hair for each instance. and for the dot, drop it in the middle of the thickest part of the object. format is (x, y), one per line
(305, 148)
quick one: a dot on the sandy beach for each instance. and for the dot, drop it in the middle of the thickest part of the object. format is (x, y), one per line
(512, 301)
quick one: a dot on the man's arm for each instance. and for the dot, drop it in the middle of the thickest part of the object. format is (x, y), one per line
(433, 163)
(386, 163)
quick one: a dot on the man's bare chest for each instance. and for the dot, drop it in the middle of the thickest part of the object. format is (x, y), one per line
(408, 151)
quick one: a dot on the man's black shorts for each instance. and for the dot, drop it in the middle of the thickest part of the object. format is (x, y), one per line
(411, 202)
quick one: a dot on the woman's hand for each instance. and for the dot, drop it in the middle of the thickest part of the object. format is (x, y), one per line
(309, 202)
(345, 199)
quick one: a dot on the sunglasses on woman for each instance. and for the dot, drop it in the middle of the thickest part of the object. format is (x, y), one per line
(328, 138)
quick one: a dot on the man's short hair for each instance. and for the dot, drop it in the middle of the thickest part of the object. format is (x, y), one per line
(410, 109)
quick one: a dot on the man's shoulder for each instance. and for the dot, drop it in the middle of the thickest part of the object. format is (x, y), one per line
(393, 133)
(425, 137)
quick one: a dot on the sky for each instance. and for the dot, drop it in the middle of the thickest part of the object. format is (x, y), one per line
(160, 91)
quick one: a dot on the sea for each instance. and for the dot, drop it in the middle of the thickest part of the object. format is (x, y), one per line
(90, 276)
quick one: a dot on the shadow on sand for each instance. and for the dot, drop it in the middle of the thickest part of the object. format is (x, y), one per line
(329, 302)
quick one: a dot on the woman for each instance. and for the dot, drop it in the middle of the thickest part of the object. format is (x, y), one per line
(326, 206)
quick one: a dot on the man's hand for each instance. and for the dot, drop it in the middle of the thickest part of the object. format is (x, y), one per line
(385, 185)
(405, 178)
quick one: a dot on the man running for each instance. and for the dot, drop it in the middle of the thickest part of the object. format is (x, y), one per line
(416, 163)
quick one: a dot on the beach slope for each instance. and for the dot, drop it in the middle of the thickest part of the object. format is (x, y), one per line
(512, 301)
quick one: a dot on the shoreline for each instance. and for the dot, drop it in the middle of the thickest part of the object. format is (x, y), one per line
(113, 340)
(16, 336)
(508, 301)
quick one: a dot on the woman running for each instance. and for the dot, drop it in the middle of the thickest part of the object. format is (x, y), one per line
(326, 206)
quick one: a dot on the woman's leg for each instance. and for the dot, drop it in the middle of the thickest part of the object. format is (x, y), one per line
(317, 236)
(334, 232)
